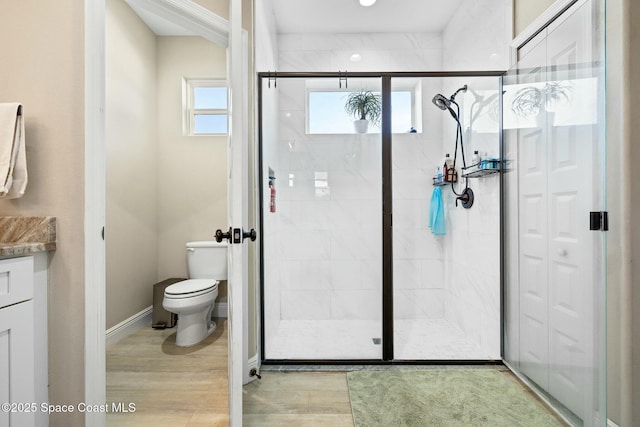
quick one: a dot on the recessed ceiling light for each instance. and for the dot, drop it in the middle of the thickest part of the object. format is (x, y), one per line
(355, 57)
(367, 2)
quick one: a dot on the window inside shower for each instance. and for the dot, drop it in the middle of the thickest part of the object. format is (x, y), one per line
(326, 115)
(351, 270)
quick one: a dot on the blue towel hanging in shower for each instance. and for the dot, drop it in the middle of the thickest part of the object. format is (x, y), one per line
(436, 213)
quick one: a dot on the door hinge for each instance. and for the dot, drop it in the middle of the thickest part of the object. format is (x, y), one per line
(599, 221)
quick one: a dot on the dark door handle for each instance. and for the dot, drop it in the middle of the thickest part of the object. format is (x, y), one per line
(220, 235)
(251, 234)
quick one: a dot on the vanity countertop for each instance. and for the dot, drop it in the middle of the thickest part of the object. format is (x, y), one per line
(23, 235)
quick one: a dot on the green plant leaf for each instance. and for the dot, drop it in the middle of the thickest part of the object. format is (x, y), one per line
(364, 105)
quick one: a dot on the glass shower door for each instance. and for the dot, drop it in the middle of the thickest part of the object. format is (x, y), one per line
(446, 281)
(554, 185)
(321, 209)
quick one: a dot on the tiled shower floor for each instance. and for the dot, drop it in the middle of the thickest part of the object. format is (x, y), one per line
(422, 339)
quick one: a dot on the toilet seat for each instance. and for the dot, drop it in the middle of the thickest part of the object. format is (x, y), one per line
(191, 288)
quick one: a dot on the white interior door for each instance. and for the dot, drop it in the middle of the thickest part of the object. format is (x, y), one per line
(571, 141)
(237, 193)
(532, 149)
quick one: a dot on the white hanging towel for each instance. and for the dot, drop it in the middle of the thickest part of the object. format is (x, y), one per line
(13, 160)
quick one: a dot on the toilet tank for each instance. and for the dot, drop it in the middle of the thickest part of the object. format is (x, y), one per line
(207, 260)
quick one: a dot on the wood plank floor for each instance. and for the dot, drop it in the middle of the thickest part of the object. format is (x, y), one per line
(301, 399)
(188, 387)
(169, 385)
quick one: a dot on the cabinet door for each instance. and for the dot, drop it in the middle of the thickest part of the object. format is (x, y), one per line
(16, 364)
(16, 280)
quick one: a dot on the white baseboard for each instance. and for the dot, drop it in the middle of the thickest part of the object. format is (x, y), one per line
(128, 326)
(611, 424)
(141, 319)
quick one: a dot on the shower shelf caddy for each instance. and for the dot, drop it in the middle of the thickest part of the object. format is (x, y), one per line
(441, 182)
(484, 168)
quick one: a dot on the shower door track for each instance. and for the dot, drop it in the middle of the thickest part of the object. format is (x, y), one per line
(387, 204)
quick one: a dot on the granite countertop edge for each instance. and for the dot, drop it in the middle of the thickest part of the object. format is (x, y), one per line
(24, 235)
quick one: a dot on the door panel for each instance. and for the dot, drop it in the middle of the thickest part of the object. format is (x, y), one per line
(571, 194)
(532, 174)
(237, 210)
(16, 363)
(322, 235)
(559, 183)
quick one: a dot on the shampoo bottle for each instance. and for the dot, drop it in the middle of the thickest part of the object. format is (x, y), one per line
(447, 169)
(475, 160)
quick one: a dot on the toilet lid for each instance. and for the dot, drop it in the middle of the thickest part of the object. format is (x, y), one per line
(191, 287)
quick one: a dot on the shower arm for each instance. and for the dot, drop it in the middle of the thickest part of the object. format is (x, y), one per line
(459, 137)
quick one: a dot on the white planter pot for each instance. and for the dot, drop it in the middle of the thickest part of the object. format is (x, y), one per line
(361, 126)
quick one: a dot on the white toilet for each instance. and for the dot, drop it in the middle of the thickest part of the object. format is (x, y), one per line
(193, 299)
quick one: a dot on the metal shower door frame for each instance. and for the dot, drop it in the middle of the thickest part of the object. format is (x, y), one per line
(387, 205)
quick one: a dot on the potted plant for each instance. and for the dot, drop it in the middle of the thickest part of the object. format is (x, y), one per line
(365, 107)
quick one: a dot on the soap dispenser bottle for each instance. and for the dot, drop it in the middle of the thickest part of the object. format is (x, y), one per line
(447, 168)
(475, 160)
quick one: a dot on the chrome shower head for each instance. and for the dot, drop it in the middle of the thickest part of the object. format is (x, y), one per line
(441, 102)
(444, 104)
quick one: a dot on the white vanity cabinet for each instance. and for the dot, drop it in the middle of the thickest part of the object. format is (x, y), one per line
(23, 340)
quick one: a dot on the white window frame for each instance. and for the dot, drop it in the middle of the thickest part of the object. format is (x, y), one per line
(190, 112)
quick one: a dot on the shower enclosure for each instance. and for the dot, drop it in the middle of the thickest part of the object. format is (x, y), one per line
(351, 270)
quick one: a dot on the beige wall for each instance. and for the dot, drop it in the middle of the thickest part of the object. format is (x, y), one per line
(615, 159)
(131, 147)
(43, 67)
(192, 170)
(163, 189)
(526, 11)
(633, 142)
(623, 203)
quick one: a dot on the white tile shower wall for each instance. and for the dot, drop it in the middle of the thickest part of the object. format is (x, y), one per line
(472, 261)
(418, 255)
(478, 36)
(355, 253)
(271, 255)
(377, 51)
(328, 251)
(266, 37)
(472, 246)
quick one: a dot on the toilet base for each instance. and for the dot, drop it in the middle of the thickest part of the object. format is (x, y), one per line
(192, 329)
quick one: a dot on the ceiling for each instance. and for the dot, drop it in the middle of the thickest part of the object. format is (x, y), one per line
(339, 16)
(347, 16)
